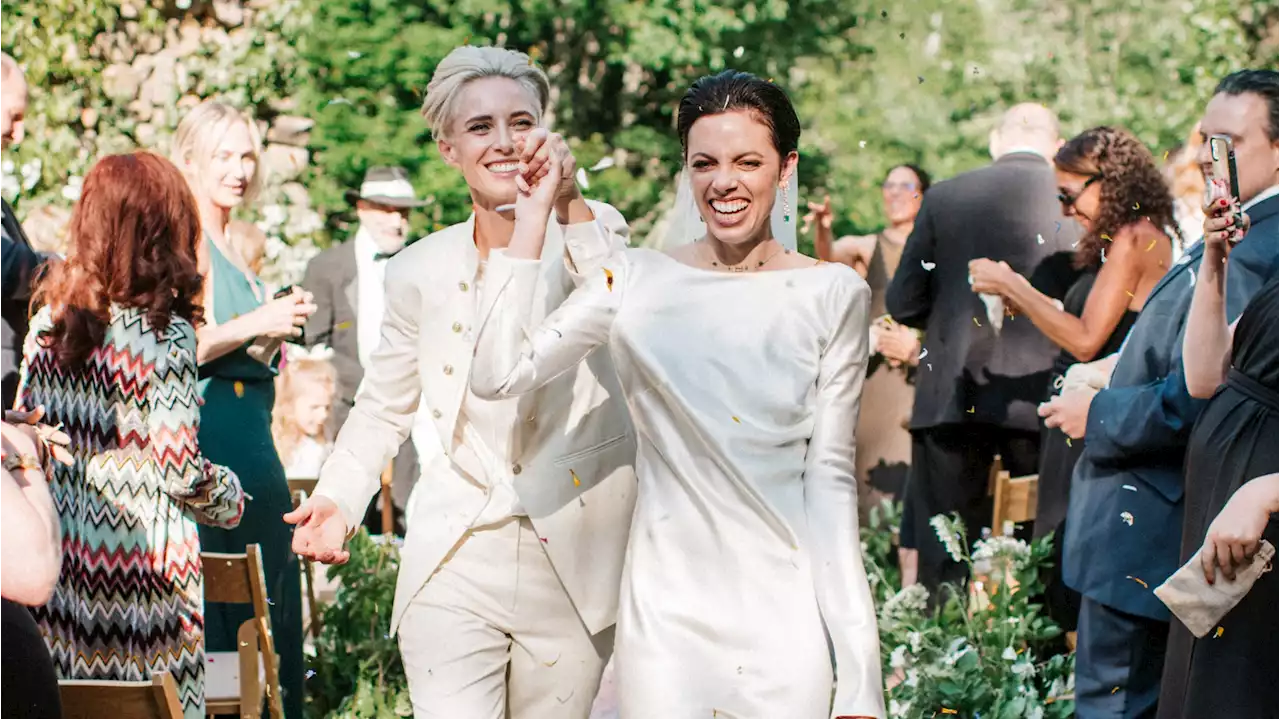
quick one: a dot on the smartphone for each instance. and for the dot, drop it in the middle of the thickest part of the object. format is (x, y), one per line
(288, 290)
(1222, 155)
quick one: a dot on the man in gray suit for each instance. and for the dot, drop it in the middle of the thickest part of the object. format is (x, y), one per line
(347, 283)
(20, 261)
(984, 373)
(1125, 516)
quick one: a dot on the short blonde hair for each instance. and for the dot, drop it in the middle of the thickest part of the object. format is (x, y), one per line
(468, 63)
(200, 131)
(46, 228)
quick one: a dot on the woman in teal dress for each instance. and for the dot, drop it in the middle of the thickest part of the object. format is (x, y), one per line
(217, 148)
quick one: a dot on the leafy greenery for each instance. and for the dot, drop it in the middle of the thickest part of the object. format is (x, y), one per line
(984, 652)
(356, 671)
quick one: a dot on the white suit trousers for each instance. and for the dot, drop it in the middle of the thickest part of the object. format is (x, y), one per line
(494, 635)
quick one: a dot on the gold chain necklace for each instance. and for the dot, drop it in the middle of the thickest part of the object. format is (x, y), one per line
(744, 267)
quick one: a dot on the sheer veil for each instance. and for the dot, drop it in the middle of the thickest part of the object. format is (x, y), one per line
(686, 223)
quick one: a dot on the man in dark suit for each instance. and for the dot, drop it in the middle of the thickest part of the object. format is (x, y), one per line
(982, 373)
(20, 262)
(347, 283)
(1125, 516)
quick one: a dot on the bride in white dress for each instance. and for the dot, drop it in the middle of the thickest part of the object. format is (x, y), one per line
(744, 594)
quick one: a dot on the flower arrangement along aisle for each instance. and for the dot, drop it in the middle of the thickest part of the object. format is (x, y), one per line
(983, 652)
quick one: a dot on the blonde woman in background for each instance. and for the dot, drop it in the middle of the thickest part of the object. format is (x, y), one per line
(1187, 184)
(218, 149)
(305, 389)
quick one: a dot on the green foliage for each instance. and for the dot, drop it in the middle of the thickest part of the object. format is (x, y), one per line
(985, 654)
(356, 672)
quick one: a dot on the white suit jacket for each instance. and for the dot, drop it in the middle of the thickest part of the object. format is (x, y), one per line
(573, 454)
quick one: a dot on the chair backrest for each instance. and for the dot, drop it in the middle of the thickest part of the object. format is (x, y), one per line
(240, 579)
(1015, 500)
(156, 699)
(304, 486)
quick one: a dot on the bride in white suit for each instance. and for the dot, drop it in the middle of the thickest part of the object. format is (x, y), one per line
(742, 365)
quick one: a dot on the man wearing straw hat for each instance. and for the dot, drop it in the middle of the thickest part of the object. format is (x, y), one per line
(347, 283)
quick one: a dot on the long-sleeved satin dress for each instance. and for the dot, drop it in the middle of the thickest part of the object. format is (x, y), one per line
(744, 575)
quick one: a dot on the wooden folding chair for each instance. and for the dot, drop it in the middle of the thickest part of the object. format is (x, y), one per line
(1015, 501)
(300, 489)
(236, 682)
(156, 699)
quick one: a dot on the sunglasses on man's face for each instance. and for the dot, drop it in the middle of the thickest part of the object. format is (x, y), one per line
(1069, 198)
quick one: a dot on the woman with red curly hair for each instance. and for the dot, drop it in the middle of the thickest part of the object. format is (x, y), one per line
(112, 358)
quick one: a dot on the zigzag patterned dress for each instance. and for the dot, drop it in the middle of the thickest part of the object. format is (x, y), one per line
(130, 599)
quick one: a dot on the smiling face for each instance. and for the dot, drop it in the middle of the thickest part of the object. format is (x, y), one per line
(387, 225)
(902, 195)
(1079, 197)
(492, 114)
(311, 410)
(229, 170)
(1243, 118)
(13, 110)
(735, 172)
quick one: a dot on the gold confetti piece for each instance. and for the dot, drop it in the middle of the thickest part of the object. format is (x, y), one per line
(1116, 689)
(1127, 292)
(343, 325)
(1105, 236)
(972, 410)
(735, 419)
(1166, 154)
(976, 322)
(1152, 245)
(949, 711)
(534, 53)
(576, 482)
(1139, 581)
(608, 279)
(551, 663)
(239, 388)
(1068, 441)
(1136, 205)
(1218, 632)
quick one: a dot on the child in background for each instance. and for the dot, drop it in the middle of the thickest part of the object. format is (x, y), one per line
(305, 390)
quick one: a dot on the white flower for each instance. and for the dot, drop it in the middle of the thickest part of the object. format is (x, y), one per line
(914, 598)
(72, 190)
(1009, 655)
(898, 709)
(1024, 668)
(912, 680)
(273, 216)
(913, 639)
(898, 658)
(958, 649)
(947, 534)
(1037, 712)
(1008, 548)
(30, 173)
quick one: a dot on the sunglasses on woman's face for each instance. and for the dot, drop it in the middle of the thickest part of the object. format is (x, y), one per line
(1069, 198)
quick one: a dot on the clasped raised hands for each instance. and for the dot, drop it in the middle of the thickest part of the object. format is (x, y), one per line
(545, 178)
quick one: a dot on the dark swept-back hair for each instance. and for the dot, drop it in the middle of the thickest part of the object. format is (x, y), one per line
(1132, 186)
(134, 235)
(732, 90)
(1265, 83)
(922, 177)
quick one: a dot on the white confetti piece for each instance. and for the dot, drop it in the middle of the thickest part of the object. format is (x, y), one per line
(353, 54)
(1039, 239)
(1127, 518)
(928, 266)
(862, 143)
(604, 164)
(581, 177)
(924, 352)
(1129, 487)
(1192, 274)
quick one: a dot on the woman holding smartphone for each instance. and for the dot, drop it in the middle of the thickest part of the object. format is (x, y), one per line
(217, 148)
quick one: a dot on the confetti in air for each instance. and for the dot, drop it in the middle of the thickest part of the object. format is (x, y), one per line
(1136, 205)
(1218, 632)
(976, 322)
(1039, 239)
(1115, 689)
(1129, 487)
(576, 482)
(1139, 581)
(608, 279)
(928, 266)
(924, 352)
(1152, 245)
(862, 143)
(972, 410)
(1127, 518)
(1193, 277)
(736, 420)
(239, 388)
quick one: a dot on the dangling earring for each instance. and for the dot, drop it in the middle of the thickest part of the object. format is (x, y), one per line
(786, 206)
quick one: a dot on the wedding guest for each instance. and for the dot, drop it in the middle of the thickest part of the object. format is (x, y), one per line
(883, 437)
(112, 356)
(508, 606)
(1231, 488)
(29, 566)
(217, 148)
(1109, 183)
(754, 491)
(348, 283)
(977, 389)
(20, 261)
(1186, 181)
(305, 390)
(1126, 498)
